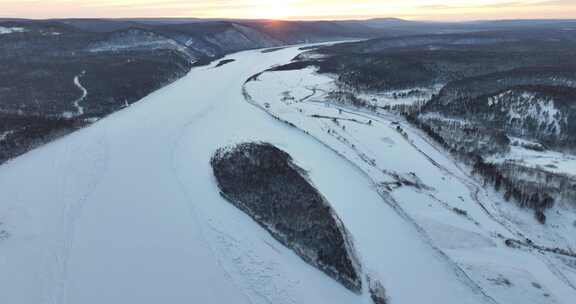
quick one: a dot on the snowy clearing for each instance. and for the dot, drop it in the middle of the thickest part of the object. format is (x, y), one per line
(551, 161)
(401, 97)
(11, 30)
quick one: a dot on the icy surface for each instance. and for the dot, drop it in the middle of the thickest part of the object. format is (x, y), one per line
(127, 211)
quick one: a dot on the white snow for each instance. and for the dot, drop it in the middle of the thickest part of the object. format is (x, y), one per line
(455, 213)
(546, 160)
(5, 135)
(440, 117)
(551, 161)
(76, 103)
(138, 41)
(129, 44)
(401, 97)
(84, 93)
(510, 284)
(11, 30)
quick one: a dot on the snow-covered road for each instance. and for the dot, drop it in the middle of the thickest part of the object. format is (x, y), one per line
(77, 101)
(84, 93)
(126, 211)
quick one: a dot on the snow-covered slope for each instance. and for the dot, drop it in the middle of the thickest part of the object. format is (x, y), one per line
(138, 40)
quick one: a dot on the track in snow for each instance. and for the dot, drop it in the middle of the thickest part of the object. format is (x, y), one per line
(79, 100)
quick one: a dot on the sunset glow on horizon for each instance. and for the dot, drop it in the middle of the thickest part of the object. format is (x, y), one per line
(451, 10)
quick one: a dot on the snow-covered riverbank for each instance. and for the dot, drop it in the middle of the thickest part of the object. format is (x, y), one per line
(426, 187)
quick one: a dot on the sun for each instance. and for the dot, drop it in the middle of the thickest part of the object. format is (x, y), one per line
(278, 10)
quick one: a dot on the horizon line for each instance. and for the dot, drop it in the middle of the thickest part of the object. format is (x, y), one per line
(405, 19)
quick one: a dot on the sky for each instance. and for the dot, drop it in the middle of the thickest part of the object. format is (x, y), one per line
(449, 10)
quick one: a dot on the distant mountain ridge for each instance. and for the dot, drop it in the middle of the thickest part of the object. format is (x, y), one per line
(60, 75)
